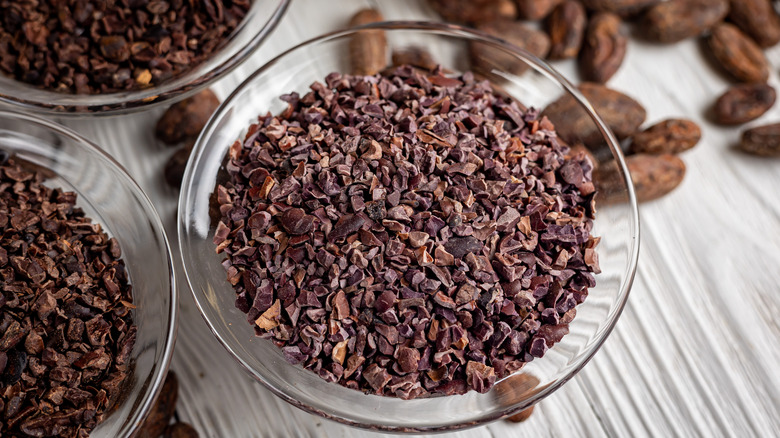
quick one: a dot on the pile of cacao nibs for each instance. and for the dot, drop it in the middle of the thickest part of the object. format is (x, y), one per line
(91, 47)
(595, 33)
(407, 234)
(65, 312)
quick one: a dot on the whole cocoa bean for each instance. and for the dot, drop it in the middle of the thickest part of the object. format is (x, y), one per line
(535, 9)
(758, 19)
(522, 415)
(622, 114)
(368, 48)
(762, 140)
(604, 48)
(653, 176)
(184, 120)
(672, 21)
(566, 27)
(743, 103)
(484, 58)
(180, 430)
(620, 7)
(474, 11)
(163, 409)
(738, 54)
(174, 168)
(668, 137)
(414, 56)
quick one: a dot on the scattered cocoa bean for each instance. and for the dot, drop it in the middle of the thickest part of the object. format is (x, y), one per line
(622, 114)
(535, 9)
(522, 415)
(739, 55)
(368, 48)
(668, 137)
(758, 19)
(604, 48)
(566, 27)
(174, 168)
(474, 11)
(762, 140)
(414, 56)
(621, 7)
(163, 409)
(653, 176)
(672, 21)
(485, 58)
(743, 103)
(180, 430)
(184, 120)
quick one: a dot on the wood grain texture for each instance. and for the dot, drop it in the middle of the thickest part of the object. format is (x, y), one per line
(697, 350)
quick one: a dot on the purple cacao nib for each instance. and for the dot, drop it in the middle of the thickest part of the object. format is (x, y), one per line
(409, 234)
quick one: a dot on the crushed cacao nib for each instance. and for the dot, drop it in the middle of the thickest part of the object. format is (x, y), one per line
(92, 47)
(65, 312)
(407, 234)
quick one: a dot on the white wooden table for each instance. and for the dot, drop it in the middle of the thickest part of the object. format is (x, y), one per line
(697, 350)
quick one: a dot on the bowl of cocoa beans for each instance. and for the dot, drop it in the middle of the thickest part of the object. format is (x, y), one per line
(396, 227)
(88, 302)
(78, 56)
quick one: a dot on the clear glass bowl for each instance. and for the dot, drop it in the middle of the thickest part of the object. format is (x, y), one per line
(110, 197)
(295, 70)
(259, 22)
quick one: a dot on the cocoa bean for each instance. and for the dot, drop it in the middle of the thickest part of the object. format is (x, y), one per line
(668, 137)
(474, 11)
(621, 7)
(653, 176)
(485, 58)
(762, 140)
(739, 55)
(743, 103)
(672, 21)
(535, 9)
(604, 48)
(566, 27)
(367, 48)
(758, 19)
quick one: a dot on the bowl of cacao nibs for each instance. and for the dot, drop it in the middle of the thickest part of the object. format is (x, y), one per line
(87, 299)
(80, 56)
(387, 236)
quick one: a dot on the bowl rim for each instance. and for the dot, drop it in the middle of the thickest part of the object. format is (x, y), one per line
(149, 397)
(461, 32)
(130, 101)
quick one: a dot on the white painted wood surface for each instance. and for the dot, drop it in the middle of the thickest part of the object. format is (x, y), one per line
(697, 350)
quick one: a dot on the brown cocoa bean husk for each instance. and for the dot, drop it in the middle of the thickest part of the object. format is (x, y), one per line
(762, 140)
(184, 120)
(535, 9)
(758, 19)
(485, 58)
(667, 137)
(738, 54)
(367, 48)
(163, 409)
(566, 27)
(624, 8)
(743, 103)
(604, 48)
(474, 11)
(673, 21)
(653, 176)
(622, 114)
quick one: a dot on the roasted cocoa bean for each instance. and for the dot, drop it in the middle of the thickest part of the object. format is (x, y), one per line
(653, 176)
(184, 120)
(414, 56)
(174, 168)
(621, 7)
(743, 103)
(672, 21)
(535, 9)
(566, 27)
(762, 140)
(368, 48)
(163, 409)
(758, 19)
(603, 49)
(180, 430)
(485, 58)
(668, 137)
(521, 416)
(622, 114)
(739, 55)
(474, 11)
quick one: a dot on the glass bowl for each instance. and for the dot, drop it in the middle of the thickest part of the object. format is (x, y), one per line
(295, 70)
(109, 196)
(259, 22)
